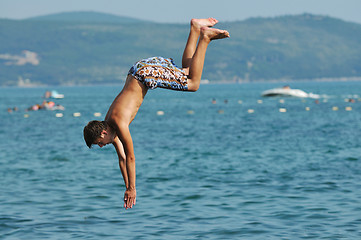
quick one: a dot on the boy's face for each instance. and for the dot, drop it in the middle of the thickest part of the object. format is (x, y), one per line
(104, 139)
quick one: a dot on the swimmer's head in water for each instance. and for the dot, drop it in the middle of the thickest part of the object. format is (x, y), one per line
(93, 130)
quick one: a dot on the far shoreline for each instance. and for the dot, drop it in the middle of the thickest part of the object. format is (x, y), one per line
(240, 81)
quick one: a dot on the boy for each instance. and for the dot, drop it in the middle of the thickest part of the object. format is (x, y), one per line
(149, 74)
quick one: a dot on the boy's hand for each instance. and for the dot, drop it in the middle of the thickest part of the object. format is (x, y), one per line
(129, 198)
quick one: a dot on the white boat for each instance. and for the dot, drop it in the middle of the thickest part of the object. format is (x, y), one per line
(288, 92)
(53, 94)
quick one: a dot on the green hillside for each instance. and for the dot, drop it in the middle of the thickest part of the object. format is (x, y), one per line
(93, 48)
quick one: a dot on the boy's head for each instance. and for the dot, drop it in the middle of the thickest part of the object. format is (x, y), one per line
(94, 133)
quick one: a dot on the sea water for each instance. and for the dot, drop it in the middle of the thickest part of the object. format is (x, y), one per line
(240, 167)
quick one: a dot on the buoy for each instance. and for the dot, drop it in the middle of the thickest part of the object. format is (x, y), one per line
(307, 108)
(77, 114)
(240, 102)
(282, 110)
(335, 108)
(282, 101)
(348, 108)
(26, 115)
(97, 114)
(221, 111)
(250, 111)
(259, 101)
(190, 112)
(59, 115)
(160, 113)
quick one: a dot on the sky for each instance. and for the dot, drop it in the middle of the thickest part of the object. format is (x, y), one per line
(168, 11)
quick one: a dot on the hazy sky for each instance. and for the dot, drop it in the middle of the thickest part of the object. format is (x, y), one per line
(181, 11)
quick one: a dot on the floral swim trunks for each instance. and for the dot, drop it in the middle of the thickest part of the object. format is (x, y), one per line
(159, 72)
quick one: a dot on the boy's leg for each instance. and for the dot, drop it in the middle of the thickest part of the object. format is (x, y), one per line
(190, 48)
(197, 61)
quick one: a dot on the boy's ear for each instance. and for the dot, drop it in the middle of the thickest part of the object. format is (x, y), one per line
(103, 133)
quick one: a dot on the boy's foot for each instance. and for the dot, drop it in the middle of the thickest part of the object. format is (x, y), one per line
(206, 22)
(213, 33)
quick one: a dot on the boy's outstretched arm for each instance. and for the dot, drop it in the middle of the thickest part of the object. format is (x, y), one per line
(126, 139)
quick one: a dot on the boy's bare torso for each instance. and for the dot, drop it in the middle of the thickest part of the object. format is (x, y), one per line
(126, 105)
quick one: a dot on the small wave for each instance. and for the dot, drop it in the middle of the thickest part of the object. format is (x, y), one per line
(60, 158)
(194, 197)
(351, 159)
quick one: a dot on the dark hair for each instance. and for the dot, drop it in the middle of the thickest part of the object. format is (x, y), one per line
(93, 130)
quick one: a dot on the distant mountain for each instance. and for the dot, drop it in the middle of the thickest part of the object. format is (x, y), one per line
(96, 48)
(88, 17)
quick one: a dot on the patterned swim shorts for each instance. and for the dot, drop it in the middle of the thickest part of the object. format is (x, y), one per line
(159, 72)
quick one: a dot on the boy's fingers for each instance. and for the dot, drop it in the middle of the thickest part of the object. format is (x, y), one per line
(129, 202)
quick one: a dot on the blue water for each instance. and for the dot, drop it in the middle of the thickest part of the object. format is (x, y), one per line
(204, 171)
